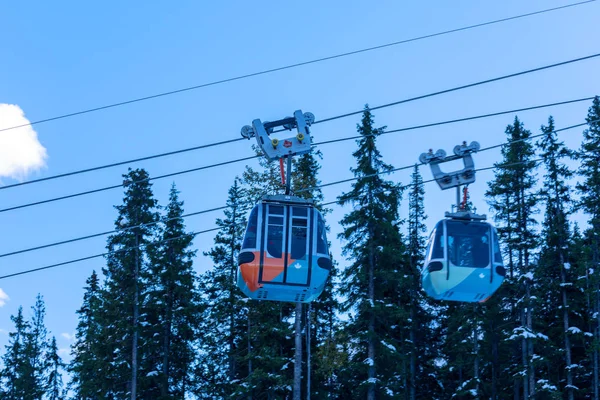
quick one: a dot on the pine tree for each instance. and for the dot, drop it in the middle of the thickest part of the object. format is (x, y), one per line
(28, 361)
(373, 283)
(510, 196)
(421, 372)
(589, 155)
(171, 309)
(36, 349)
(122, 294)
(554, 272)
(317, 320)
(88, 359)
(461, 328)
(224, 322)
(14, 385)
(54, 387)
(580, 305)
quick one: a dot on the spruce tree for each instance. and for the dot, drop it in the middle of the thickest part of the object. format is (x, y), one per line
(14, 361)
(422, 379)
(510, 195)
(224, 322)
(170, 318)
(87, 351)
(172, 307)
(589, 189)
(554, 272)
(55, 366)
(122, 294)
(582, 341)
(373, 283)
(36, 350)
(317, 320)
(29, 360)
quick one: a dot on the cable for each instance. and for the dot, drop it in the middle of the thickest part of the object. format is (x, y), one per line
(194, 234)
(470, 85)
(412, 165)
(26, 250)
(290, 66)
(70, 196)
(433, 180)
(51, 200)
(539, 135)
(83, 171)
(452, 121)
(159, 155)
(77, 239)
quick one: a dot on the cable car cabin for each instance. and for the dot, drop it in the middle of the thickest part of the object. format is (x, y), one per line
(284, 256)
(463, 261)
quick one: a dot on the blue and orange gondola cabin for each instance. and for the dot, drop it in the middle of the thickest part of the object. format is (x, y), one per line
(284, 255)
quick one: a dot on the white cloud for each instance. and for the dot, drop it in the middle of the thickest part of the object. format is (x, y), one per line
(20, 150)
(3, 298)
(67, 336)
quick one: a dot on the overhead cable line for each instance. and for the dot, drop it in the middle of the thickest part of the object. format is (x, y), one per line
(119, 163)
(26, 250)
(412, 165)
(108, 253)
(290, 66)
(194, 234)
(77, 239)
(79, 194)
(194, 148)
(470, 85)
(70, 196)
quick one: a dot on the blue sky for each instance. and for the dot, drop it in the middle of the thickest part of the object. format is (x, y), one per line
(60, 58)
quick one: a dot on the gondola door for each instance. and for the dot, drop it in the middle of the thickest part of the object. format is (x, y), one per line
(285, 243)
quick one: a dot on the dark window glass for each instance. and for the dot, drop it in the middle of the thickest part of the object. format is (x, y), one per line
(298, 250)
(275, 240)
(468, 244)
(275, 220)
(300, 212)
(278, 210)
(299, 222)
(250, 236)
(497, 252)
(428, 248)
(321, 235)
(438, 241)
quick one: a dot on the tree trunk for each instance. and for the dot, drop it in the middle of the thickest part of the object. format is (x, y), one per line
(298, 353)
(232, 311)
(249, 354)
(476, 353)
(596, 311)
(371, 341)
(524, 359)
(371, 338)
(308, 351)
(597, 338)
(164, 390)
(413, 355)
(565, 304)
(134, 350)
(529, 315)
(494, 362)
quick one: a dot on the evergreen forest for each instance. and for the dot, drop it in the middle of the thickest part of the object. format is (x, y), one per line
(151, 327)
